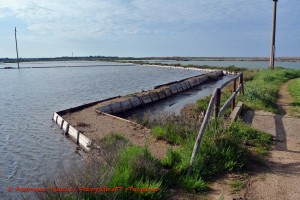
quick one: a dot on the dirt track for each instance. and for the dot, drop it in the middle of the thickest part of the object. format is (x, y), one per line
(282, 181)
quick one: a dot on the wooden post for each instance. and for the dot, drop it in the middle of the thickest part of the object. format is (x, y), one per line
(78, 133)
(242, 83)
(67, 129)
(217, 102)
(201, 132)
(272, 56)
(233, 90)
(17, 47)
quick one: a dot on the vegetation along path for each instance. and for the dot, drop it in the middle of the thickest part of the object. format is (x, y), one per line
(283, 179)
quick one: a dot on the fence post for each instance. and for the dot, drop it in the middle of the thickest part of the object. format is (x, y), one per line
(201, 131)
(242, 83)
(217, 102)
(233, 90)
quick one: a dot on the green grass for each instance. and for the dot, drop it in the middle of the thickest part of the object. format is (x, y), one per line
(138, 168)
(223, 149)
(202, 104)
(294, 89)
(167, 132)
(262, 91)
(237, 185)
(129, 167)
(193, 183)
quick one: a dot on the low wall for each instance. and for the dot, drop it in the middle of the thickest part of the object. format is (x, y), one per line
(118, 104)
(71, 132)
(158, 93)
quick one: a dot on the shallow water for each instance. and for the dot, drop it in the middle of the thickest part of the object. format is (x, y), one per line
(31, 147)
(175, 103)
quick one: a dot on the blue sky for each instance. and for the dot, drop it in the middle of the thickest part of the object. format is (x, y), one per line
(148, 27)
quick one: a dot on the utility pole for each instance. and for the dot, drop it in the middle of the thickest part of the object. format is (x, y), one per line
(272, 57)
(17, 47)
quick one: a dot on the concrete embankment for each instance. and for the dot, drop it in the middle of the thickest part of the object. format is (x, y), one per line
(90, 122)
(160, 92)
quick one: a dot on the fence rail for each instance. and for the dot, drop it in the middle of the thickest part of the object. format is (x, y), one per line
(215, 103)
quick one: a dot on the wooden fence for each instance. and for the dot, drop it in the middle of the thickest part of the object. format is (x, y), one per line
(215, 103)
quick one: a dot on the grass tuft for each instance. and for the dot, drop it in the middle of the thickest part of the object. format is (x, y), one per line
(237, 185)
(294, 89)
(262, 91)
(193, 183)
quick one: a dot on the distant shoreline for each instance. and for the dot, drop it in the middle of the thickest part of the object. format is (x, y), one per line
(175, 58)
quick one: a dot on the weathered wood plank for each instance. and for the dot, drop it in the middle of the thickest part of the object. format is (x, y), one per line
(236, 111)
(228, 102)
(229, 81)
(202, 129)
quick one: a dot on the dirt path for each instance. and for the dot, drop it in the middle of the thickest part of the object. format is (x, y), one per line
(282, 181)
(284, 99)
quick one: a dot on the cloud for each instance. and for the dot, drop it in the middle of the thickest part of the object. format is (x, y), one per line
(95, 18)
(141, 24)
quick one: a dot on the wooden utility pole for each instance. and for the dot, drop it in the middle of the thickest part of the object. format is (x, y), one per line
(272, 57)
(17, 47)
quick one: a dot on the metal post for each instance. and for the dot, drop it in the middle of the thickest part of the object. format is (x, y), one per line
(17, 47)
(272, 56)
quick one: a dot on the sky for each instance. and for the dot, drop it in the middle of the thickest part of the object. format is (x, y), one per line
(143, 28)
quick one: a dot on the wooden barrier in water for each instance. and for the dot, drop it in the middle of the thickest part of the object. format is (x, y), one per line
(158, 93)
(120, 104)
(80, 139)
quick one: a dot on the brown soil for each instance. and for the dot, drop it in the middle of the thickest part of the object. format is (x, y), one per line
(285, 99)
(188, 112)
(99, 125)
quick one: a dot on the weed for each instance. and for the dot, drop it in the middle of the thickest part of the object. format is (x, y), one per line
(171, 159)
(250, 136)
(237, 185)
(110, 146)
(193, 183)
(167, 133)
(158, 132)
